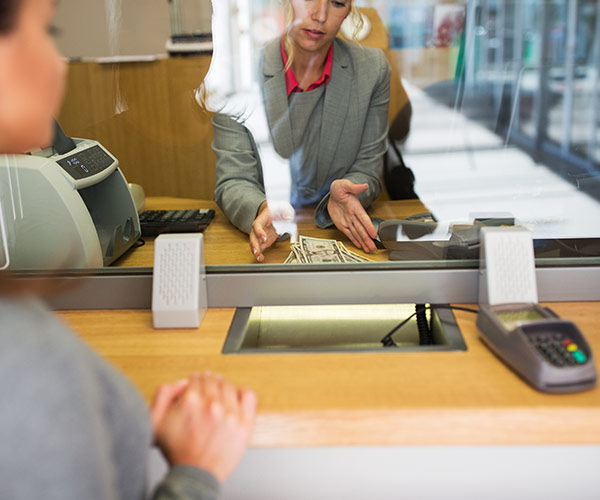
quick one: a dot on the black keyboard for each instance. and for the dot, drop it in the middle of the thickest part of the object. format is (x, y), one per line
(155, 222)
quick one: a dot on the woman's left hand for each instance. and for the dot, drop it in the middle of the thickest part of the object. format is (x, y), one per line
(348, 214)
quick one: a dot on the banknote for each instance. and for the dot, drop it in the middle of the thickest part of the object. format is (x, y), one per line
(310, 250)
(320, 251)
(291, 259)
(299, 255)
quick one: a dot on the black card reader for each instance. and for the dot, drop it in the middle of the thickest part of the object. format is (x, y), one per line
(548, 352)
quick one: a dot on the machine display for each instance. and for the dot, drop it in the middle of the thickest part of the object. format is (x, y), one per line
(86, 163)
(514, 318)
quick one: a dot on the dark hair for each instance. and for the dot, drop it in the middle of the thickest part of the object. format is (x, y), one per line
(8, 15)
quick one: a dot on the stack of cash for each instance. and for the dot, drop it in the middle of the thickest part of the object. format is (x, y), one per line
(321, 251)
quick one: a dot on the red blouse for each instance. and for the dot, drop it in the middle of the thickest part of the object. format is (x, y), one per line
(290, 79)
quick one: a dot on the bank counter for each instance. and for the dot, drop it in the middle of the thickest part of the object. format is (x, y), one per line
(225, 245)
(385, 398)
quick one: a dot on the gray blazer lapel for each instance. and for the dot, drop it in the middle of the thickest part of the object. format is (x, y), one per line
(275, 99)
(337, 97)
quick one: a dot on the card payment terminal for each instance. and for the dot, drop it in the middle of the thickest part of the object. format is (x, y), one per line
(548, 352)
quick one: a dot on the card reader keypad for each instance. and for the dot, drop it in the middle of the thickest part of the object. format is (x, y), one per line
(558, 349)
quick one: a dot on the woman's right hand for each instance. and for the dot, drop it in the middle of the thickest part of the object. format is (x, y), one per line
(205, 422)
(348, 214)
(263, 233)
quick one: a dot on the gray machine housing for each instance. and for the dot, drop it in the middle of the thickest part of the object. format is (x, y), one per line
(70, 210)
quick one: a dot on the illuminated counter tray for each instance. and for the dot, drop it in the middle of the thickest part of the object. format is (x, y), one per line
(340, 328)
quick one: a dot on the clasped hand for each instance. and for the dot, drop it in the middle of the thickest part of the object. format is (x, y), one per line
(348, 214)
(203, 421)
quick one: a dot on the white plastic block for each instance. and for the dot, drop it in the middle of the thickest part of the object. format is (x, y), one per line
(178, 284)
(507, 266)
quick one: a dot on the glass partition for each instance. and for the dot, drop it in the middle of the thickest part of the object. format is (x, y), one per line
(493, 105)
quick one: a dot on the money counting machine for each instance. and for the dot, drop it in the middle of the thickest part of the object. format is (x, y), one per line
(71, 206)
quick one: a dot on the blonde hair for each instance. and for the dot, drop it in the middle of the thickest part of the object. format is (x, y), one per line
(289, 17)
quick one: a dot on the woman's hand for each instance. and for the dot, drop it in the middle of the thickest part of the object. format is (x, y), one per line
(348, 214)
(205, 422)
(264, 231)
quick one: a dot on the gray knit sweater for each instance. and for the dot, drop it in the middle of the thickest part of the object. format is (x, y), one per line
(72, 427)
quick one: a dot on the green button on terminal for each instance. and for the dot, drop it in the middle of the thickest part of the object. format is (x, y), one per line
(580, 357)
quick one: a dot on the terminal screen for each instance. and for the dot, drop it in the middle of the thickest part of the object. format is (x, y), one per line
(512, 319)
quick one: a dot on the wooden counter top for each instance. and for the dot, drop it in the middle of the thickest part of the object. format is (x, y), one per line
(226, 245)
(439, 398)
(453, 398)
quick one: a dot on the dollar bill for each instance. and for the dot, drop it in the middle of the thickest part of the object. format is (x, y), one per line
(299, 255)
(350, 257)
(354, 257)
(321, 251)
(291, 259)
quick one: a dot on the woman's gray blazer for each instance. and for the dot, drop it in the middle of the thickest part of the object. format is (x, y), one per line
(353, 132)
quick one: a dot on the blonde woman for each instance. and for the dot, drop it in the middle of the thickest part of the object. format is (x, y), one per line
(326, 102)
(71, 426)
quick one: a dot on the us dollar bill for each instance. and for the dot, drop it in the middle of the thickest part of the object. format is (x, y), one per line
(291, 259)
(321, 251)
(299, 254)
(352, 256)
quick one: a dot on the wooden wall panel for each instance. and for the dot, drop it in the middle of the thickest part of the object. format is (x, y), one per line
(146, 114)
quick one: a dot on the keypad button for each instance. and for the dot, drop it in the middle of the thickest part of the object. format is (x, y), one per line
(572, 347)
(580, 357)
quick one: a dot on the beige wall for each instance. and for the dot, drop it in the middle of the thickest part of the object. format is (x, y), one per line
(143, 26)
